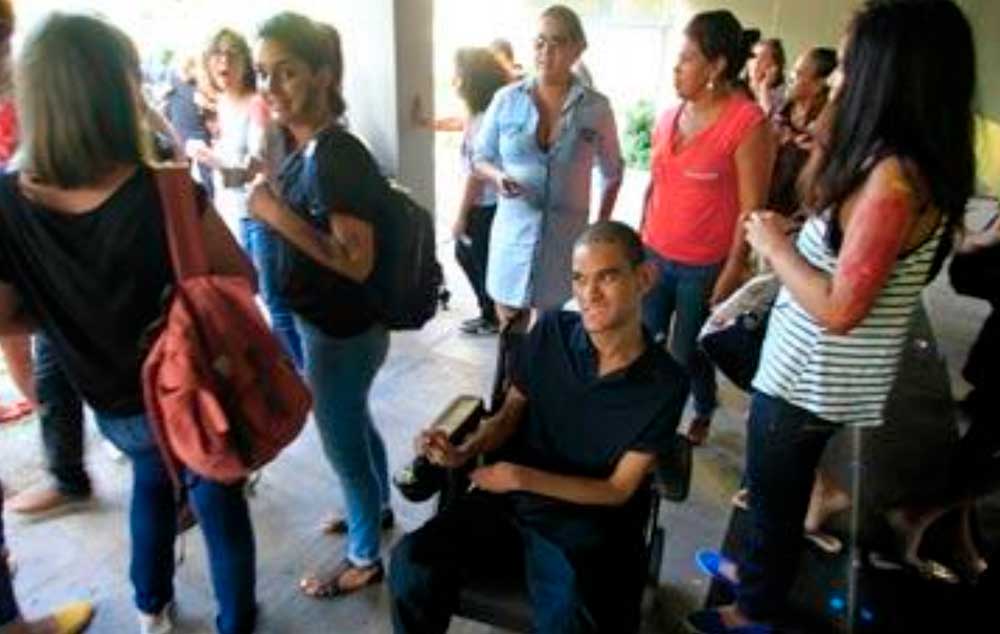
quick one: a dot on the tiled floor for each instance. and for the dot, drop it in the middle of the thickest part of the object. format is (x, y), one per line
(85, 554)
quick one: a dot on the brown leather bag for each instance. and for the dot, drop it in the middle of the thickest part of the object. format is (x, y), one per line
(222, 396)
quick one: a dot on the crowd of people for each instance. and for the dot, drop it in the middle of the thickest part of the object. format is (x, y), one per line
(848, 181)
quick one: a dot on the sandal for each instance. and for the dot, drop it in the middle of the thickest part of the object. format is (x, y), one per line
(329, 586)
(829, 544)
(927, 569)
(337, 525)
(16, 411)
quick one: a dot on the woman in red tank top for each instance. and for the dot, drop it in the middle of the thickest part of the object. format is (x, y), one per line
(712, 159)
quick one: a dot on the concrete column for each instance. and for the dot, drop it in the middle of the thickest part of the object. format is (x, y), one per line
(388, 62)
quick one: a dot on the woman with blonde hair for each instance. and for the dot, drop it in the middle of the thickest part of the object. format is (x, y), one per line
(538, 143)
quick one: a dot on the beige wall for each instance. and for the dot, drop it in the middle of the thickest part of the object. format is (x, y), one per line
(801, 24)
(985, 18)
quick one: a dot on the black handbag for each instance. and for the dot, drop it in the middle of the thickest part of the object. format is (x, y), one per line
(977, 273)
(733, 336)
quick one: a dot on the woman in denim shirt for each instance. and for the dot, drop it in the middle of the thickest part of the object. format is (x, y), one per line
(538, 143)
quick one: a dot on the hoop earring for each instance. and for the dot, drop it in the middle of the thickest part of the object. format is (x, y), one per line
(710, 85)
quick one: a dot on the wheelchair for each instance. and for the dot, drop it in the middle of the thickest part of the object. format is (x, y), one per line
(500, 598)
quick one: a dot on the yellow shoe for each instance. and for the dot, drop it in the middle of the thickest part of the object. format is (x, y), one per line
(73, 618)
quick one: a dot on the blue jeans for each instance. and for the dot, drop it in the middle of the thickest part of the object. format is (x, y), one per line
(8, 604)
(476, 536)
(784, 446)
(222, 514)
(60, 412)
(259, 241)
(340, 372)
(681, 294)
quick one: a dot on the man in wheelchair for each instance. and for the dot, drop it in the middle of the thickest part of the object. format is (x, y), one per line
(592, 402)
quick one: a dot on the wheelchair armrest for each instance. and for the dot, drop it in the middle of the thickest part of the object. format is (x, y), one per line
(673, 469)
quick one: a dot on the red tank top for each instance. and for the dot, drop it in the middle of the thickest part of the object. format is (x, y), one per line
(694, 203)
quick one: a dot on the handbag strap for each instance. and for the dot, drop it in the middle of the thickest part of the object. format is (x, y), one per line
(182, 222)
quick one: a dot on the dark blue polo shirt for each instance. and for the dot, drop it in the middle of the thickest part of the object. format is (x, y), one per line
(581, 424)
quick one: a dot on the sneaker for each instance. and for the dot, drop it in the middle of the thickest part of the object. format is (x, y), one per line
(45, 502)
(479, 326)
(469, 326)
(162, 623)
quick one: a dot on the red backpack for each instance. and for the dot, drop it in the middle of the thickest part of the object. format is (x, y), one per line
(223, 398)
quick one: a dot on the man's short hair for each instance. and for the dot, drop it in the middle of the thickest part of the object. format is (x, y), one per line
(615, 232)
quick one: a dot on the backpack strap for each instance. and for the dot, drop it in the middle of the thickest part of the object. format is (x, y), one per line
(182, 222)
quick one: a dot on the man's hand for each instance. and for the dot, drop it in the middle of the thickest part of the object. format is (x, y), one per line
(502, 477)
(435, 445)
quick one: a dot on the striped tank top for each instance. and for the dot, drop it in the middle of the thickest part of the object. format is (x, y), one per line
(844, 379)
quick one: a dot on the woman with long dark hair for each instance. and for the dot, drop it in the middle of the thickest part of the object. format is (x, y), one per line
(891, 185)
(84, 245)
(329, 194)
(711, 164)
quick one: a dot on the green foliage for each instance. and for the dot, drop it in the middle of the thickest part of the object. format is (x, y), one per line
(638, 142)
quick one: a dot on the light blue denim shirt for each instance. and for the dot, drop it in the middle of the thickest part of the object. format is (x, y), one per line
(531, 243)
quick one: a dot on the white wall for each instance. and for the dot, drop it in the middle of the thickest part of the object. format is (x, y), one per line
(414, 33)
(387, 62)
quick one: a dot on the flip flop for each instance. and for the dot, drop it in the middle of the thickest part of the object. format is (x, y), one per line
(328, 586)
(829, 544)
(925, 568)
(73, 618)
(711, 562)
(15, 411)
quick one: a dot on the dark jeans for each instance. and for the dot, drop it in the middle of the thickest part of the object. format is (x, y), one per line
(784, 446)
(430, 565)
(60, 412)
(983, 362)
(473, 254)
(8, 604)
(222, 514)
(259, 242)
(681, 294)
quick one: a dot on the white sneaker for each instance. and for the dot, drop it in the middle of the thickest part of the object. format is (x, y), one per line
(162, 623)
